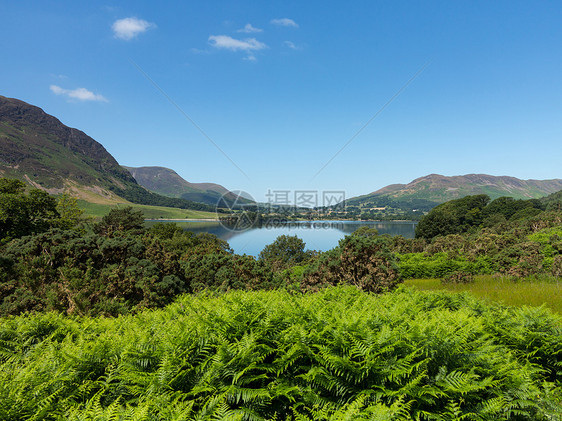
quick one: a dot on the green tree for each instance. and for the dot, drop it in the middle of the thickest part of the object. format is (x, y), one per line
(69, 212)
(453, 217)
(285, 251)
(24, 213)
(121, 219)
(11, 186)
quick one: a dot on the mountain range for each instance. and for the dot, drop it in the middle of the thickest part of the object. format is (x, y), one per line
(425, 192)
(167, 182)
(37, 148)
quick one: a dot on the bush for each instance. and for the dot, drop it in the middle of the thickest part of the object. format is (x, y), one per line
(67, 271)
(556, 268)
(364, 261)
(458, 277)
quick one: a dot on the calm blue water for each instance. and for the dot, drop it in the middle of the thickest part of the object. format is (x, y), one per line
(318, 235)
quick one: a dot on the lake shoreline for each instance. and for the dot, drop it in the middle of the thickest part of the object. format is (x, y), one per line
(289, 221)
(320, 235)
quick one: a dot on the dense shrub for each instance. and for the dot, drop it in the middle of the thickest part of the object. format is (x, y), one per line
(223, 272)
(360, 259)
(453, 217)
(67, 271)
(472, 212)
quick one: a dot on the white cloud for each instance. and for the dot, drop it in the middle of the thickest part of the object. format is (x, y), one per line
(129, 28)
(229, 43)
(291, 45)
(284, 22)
(81, 94)
(249, 29)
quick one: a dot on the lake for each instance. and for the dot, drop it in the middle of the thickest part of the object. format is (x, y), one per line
(318, 235)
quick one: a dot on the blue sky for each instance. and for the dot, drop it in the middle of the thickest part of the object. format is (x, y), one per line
(281, 86)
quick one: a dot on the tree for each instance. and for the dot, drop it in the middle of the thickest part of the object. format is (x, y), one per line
(121, 219)
(285, 251)
(11, 186)
(70, 213)
(453, 217)
(24, 213)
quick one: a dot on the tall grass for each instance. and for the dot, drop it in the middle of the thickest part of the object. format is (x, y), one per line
(334, 355)
(505, 290)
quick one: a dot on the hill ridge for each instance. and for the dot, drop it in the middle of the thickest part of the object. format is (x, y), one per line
(39, 149)
(427, 191)
(166, 181)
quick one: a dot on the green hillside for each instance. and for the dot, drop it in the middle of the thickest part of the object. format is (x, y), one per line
(97, 210)
(37, 148)
(167, 182)
(40, 150)
(426, 192)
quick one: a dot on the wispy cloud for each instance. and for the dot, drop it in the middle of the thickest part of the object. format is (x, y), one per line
(81, 94)
(284, 22)
(249, 29)
(248, 45)
(129, 28)
(291, 45)
(229, 43)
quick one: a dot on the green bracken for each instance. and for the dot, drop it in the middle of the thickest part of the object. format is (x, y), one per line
(333, 355)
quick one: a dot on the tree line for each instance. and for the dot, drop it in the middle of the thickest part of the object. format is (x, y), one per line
(51, 258)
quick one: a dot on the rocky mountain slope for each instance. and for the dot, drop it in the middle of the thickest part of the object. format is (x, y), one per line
(37, 148)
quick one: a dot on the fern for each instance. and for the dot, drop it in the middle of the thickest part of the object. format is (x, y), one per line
(336, 355)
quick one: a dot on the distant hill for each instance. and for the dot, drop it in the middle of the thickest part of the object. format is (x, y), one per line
(426, 192)
(37, 148)
(167, 182)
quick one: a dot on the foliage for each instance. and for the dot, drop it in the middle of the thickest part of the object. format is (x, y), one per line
(23, 213)
(553, 202)
(272, 355)
(67, 271)
(362, 259)
(70, 214)
(458, 277)
(285, 251)
(470, 212)
(452, 217)
(121, 219)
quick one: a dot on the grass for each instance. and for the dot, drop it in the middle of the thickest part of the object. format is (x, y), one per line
(97, 210)
(530, 291)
